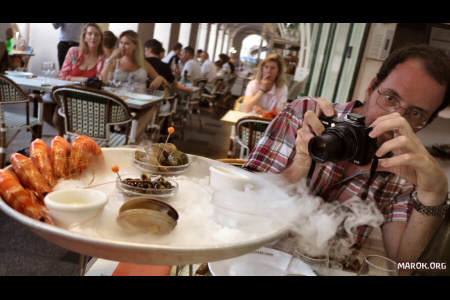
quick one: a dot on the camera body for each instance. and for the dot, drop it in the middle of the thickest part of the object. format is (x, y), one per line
(344, 139)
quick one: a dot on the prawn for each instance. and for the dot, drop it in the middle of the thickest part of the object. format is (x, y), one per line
(20, 199)
(40, 155)
(59, 155)
(85, 152)
(29, 175)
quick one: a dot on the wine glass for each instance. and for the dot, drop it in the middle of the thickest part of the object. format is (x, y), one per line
(52, 72)
(377, 265)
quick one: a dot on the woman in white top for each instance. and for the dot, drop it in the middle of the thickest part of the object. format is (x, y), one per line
(268, 91)
(127, 68)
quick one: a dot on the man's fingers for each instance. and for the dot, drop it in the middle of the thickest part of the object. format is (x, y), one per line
(311, 120)
(325, 106)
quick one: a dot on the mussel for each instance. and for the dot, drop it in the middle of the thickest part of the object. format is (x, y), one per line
(160, 155)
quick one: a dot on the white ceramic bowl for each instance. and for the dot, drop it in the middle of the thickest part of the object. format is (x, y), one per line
(75, 206)
(227, 177)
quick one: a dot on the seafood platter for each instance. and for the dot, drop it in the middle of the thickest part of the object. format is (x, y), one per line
(147, 205)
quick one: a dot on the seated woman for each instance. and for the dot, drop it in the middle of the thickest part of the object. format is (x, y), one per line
(268, 91)
(87, 60)
(127, 68)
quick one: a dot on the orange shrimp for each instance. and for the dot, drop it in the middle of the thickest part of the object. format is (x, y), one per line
(20, 199)
(40, 155)
(85, 152)
(29, 175)
(59, 155)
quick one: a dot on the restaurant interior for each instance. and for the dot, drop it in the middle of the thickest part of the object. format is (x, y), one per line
(203, 116)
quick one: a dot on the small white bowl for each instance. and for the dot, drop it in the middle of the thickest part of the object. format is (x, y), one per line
(75, 206)
(226, 178)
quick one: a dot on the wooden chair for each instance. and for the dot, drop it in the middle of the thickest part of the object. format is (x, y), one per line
(93, 112)
(249, 131)
(11, 93)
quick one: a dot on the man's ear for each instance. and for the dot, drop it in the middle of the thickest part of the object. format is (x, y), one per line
(370, 88)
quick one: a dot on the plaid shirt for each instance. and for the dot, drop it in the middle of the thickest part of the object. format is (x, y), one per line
(275, 151)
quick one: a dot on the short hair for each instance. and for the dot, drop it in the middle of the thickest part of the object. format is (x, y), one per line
(190, 50)
(224, 57)
(154, 45)
(177, 46)
(199, 51)
(109, 39)
(281, 77)
(435, 61)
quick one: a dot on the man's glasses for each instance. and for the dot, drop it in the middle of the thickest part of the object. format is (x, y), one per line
(390, 102)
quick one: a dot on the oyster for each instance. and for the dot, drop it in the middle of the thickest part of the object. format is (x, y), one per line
(147, 215)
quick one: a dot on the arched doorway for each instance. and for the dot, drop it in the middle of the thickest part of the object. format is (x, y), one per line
(253, 47)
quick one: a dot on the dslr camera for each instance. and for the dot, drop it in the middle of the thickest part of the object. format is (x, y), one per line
(344, 139)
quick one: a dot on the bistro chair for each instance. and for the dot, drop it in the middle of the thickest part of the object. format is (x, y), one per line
(165, 112)
(92, 112)
(249, 131)
(226, 97)
(214, 89)
(194, 102)
(11, 93)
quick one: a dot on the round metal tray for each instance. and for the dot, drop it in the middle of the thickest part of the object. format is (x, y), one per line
(139, 253)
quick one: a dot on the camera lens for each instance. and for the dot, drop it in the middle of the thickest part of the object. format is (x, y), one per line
(335, 145)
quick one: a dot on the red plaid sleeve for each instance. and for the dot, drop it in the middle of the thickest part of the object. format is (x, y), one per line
(276, 149)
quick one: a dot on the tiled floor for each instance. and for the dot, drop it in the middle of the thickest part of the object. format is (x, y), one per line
(22, 252)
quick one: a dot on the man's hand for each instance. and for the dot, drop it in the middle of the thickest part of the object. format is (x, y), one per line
(411, 160)
(311, 126)
(266, 84)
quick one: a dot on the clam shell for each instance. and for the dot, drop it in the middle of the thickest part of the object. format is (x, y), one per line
(148, 215)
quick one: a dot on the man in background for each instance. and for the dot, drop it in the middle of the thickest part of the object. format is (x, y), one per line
(69, 36)
(208, 69)
(190, 67)
(173, 58)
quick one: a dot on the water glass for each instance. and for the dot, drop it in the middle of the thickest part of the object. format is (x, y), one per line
(377, 265)
(322, 261)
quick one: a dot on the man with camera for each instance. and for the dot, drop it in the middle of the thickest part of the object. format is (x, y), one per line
(407, 183)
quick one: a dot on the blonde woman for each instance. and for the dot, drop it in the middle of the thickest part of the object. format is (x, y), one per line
(127, 68)
(268, 91)
(87, 60)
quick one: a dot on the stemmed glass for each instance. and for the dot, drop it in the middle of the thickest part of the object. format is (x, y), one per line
(52, 72)
(377, 265)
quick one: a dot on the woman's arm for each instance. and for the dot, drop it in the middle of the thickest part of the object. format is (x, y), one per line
(69, 62)
(109, 65)
(252, 95)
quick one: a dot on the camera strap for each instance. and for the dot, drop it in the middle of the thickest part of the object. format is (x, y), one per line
(310, 172)
(372, 176)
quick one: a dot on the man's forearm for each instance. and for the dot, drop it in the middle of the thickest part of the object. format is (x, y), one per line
(417, 235)
(298, 169)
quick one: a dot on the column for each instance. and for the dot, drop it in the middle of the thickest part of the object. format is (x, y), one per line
(174, 34)
(162, 34)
